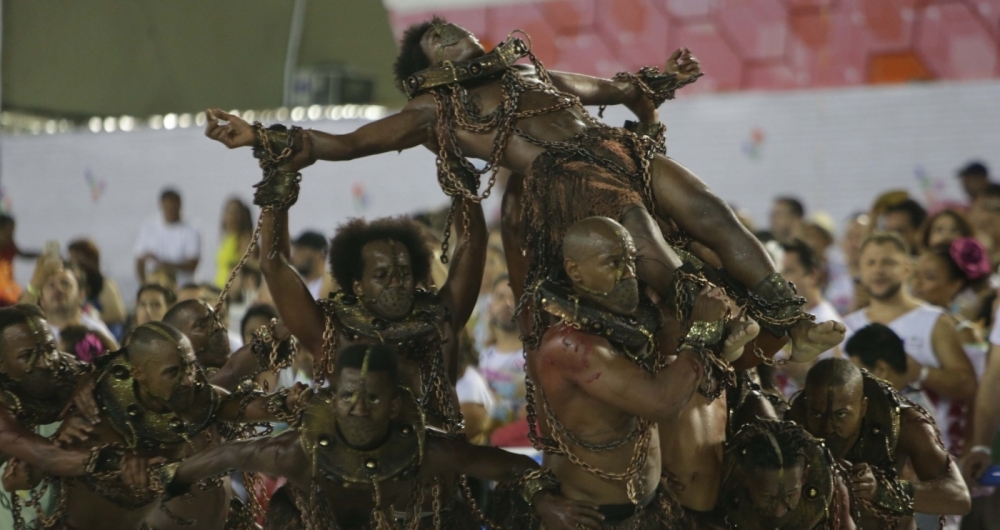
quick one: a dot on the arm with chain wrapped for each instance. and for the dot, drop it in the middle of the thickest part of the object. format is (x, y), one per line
(248, 405)
(271, 348)
(278, 456)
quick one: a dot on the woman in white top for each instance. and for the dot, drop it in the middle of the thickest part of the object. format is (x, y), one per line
(474, 394)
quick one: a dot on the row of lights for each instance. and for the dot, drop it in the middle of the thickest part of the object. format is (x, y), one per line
(36, 125)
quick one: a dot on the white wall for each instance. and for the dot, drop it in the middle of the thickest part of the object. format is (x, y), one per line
(835, 149)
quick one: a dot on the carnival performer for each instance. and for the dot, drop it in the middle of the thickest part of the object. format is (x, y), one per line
(465, 102)
(778, 476)
(155, 400)
(199, 322)
(378, 266)
(363, 458)
(603, 379)
(861, 419)
(37, 385)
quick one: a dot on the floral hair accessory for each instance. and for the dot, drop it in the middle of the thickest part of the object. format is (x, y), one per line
(971, 258)
(89, 348)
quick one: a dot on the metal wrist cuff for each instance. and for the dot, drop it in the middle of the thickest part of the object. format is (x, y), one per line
(275, 144)
(776, 306)
(162, 479)
(894, 496)
(535, 481)
(703, 334)
(279, 189)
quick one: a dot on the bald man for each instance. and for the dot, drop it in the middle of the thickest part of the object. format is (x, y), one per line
(864, 421)
(602, 383)
(203, 327)
(155, 400)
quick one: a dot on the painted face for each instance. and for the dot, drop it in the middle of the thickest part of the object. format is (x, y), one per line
(609, 279)
(775, 492)
(364, 409)
(883, 268)
(834, 413)
(208, 337)
(386, 286)
(30, 358)
(150, 307)
(931, 282)
(170, 374)
(450, 42)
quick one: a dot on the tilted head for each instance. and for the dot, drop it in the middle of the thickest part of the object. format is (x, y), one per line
(432, 42)
(207, 336)
(835, 403)
(879, 350)
(365, 382)
(885, 265)
(163, 365)
(773, 467)
(599, 259)
(28, 355)
(152, 302)
(381, 262)
(944, 227)
(939, 278)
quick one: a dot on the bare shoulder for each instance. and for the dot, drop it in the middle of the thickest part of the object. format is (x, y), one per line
(917, 427)
(562, 340)
(422, 103)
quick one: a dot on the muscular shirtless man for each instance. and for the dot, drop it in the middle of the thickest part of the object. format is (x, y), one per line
(155, 400)
(362, 455)
(865, 422)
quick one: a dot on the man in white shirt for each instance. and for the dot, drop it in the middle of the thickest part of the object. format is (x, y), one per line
(309, 259)
(937, 362)
(168, 243)
(61, 298)
(802, 266)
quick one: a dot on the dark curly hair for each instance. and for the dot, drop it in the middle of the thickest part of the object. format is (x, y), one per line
(411, 58)
(346, 263)
(757, 450)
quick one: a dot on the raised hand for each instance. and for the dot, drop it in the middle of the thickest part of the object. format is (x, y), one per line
(73, 430)
(236, 132)
(83, 399)
(559, 513)
(682, 63)
(863, 481)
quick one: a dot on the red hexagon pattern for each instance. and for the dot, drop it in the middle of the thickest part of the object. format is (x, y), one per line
(752, 44)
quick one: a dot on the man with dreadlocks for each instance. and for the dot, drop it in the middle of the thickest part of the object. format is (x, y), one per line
(777, 476)
(465, 102)
(379, 266)
(603, 379)
(363, 459)
(864, 421)
(155, 400)
(36, 386)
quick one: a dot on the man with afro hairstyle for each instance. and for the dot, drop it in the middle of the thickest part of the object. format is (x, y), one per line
(380, 266)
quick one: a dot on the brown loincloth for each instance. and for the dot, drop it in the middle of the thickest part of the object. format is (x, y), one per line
(599, 172)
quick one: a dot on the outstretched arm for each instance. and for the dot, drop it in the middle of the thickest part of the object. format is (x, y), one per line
(403, 130)
(40, 453)
(940, 490)
(596, 91)
(291, 296)
(465, 274)
(279, 456)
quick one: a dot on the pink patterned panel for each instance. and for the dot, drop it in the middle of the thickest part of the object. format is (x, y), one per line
(756, 28)
(955, 43)
(637, 32)
(722, 66)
